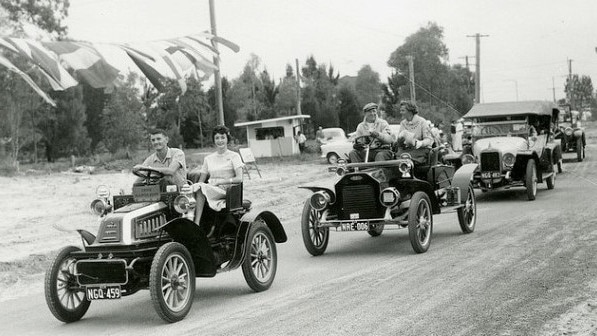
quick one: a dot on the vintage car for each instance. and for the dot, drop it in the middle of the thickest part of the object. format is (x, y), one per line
(513, 142)
(371, 196)
(335, 150)
(572, 136)
(148, 240)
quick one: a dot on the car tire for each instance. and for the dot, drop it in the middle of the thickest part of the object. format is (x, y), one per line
(579, 150)
(333, 158)
(172, 282)
(467, 215)
(315, 239)
(376, 231)
(420, 222)
(551, 181)
(560, 169)
(64, 296)
(530, 180)
(261, 257)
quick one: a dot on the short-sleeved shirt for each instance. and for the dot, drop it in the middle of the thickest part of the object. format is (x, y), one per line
(172, 155)
(221, 166)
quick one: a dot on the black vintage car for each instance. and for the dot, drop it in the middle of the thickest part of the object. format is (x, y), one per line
(572, 135)
(513, 142)
(372, 196)
(148, 240)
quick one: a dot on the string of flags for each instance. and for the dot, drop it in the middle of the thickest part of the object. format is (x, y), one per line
(66, 63)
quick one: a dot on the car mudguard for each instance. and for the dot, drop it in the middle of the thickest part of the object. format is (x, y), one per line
(190, 235)
(463, 177)
(87, 236)
(410, 186)
(328, 190)
(270, 219)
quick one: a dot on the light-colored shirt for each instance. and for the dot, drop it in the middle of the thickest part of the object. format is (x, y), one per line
(172, 155)
(221, 166)
(419, 127)
(381, 126)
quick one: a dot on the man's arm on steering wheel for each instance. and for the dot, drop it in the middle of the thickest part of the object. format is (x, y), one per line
(385, 136)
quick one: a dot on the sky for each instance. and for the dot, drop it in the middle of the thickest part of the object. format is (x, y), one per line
(523, 57)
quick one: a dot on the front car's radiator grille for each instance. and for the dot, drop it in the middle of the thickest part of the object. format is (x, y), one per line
(359, 199)
(490, 161)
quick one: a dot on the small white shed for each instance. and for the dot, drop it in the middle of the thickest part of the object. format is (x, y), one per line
(273, 137)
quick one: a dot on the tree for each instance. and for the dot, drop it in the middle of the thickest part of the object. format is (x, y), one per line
(580, 90)
(319, 93)
(349, 109)
(47, 15)
(197, 115)
(122, 123)
(367, 85)
(392, 93)
(286, 98)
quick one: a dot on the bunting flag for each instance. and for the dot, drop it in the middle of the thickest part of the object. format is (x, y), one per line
(5, 62)
(58, 77)
(86, 62)
(146, 63)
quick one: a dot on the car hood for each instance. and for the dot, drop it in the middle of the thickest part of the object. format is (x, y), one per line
(504, 144)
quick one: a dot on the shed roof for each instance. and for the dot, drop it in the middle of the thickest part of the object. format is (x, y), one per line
(537, 107)
(255, 122)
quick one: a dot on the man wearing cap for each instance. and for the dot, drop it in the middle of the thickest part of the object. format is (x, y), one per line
(377, 128)
(415, 135)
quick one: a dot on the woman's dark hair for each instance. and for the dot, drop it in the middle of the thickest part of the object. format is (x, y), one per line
(221, 129)
(410, 107)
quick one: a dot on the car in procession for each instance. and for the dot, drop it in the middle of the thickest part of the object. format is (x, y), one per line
(148, 240)
(513, 143)
(373, 196)
(572, 135)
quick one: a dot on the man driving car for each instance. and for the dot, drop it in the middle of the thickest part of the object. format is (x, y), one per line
(169, 161)
(376, 128)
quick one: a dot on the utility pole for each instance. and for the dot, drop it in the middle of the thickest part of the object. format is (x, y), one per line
(477, 66)
(218, 78)
(298, 89)
(411, 73)
(569, 87)
(553, 88)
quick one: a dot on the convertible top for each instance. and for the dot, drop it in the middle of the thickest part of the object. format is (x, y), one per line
(536, 107)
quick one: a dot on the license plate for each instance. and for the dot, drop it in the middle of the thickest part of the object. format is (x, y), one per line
(354, 226)
(103, 293)
(490, 174)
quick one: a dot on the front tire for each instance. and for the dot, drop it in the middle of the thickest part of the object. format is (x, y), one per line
(560, 169)
(530, 180)
(64, 296)
(420, 222)
(315, 238)
(467, 215)
(579, 150)
(172, 282)
(261, 257)
(551, 181)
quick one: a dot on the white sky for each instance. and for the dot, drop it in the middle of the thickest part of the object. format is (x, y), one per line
(528, 45)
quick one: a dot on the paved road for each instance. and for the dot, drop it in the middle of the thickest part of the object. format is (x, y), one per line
(526, 265)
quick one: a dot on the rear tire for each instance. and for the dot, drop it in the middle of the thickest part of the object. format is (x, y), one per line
(560, 170)
(64, 296)
(420, 222)
(315, 238)
(531, 180)
(467, 215)
(261, 257)
(551, 181)
(579, 150)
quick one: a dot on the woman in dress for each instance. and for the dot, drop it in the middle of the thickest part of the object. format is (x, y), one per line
(223, 167)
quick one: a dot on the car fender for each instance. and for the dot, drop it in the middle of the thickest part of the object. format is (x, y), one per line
(463, 177)
(520, 165)
(190, 235)
(410, 186)
(270, 220)
(87, 236)
(316, 189)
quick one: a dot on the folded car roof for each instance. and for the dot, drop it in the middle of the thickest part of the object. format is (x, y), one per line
(537, 107)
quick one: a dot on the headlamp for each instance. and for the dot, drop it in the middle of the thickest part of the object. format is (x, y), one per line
(508, 160)
(320, 200)
(184, 204)
(389, 197)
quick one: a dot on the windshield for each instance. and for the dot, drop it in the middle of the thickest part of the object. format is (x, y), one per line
(499, 129)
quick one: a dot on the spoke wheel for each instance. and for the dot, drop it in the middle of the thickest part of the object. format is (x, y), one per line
(531, 180)
(420, 222)
(172, 282)
(64, 296)
(315, 238)
(467, 215)
(261, 259)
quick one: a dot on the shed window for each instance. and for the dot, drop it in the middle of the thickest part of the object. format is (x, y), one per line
(269, 133)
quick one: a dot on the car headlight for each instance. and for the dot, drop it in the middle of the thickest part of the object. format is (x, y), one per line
(320, 200)
(184, 204)
(389, 197)
(508, 160)
(468, 158)
(99, 206)
(568, 131)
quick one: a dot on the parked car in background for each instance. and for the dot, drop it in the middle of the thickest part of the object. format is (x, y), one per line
(333, 134)
(513, 142)
(572, 136)
(339, 149)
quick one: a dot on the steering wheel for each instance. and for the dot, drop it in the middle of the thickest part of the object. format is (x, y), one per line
(149, 175)
(489, 130)
(366, 141)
